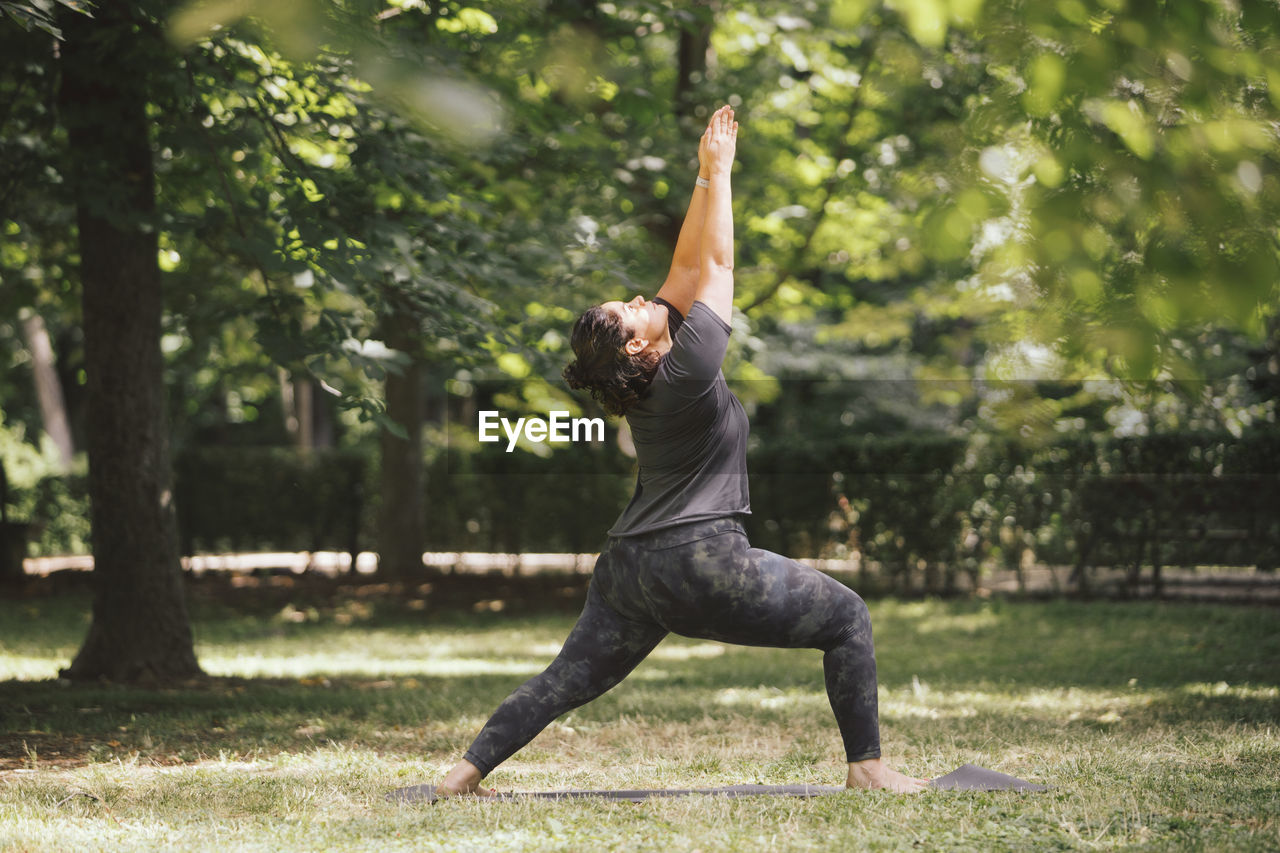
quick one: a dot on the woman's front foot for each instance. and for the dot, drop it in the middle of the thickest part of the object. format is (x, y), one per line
(463, 781)
(444, 791)
(874, 774)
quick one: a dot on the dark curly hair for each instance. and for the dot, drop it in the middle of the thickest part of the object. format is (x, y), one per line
(615, 379)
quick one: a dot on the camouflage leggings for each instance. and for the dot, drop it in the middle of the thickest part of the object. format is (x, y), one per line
(698, 580)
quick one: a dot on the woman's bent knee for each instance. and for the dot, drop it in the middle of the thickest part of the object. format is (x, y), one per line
(854, 616)
(857, 609)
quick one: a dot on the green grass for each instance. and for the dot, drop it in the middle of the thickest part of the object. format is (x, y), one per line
(1158, 726)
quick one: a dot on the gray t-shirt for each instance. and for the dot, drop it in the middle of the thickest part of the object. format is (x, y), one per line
(690, 433)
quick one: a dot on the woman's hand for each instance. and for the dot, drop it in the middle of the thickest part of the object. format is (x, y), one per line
(718, 144)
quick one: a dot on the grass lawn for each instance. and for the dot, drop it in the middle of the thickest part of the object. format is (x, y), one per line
(1158, 726)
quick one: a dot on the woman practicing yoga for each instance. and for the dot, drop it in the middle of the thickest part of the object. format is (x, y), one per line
(677, 559)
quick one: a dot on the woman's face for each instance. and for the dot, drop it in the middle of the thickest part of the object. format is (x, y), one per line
(642, 319)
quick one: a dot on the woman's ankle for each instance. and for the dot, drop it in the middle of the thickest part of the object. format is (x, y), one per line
(867, 770)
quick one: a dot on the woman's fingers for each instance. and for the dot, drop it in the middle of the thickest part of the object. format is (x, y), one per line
(718, 117)
(721, 133)
(721, 121)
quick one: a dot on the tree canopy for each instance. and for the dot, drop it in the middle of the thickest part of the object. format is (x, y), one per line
(927, 190)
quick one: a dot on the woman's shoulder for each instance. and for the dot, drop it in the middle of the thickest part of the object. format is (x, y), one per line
(702, 314)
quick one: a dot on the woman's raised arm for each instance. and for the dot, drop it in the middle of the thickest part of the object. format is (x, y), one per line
(715, 257)
(681, 285)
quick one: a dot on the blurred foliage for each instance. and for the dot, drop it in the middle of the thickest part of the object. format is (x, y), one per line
(54, 502)
(1139, 138)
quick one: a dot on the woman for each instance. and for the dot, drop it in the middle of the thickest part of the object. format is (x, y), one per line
(677, 559)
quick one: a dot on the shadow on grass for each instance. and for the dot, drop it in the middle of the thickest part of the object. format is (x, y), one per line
(946, 669)
(45, 723)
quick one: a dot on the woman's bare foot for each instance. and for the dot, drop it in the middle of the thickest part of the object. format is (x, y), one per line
(874, 773)
(463, 780)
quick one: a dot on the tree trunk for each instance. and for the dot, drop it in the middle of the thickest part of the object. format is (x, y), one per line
(298, 401)
(53, 407)
(13, 537)
(691, 57)
(140, 630)
(400, 519)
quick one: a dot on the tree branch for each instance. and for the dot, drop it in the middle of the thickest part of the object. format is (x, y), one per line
(828, 190)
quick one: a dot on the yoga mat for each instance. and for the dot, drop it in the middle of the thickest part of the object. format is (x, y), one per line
(971, 777)
(427, 793)
(967, 777)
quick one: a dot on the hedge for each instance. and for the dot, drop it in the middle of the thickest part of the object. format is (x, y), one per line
(270, 498)
(519, 502)
(924, 509)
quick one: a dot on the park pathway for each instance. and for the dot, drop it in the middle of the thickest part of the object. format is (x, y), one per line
(1236, 585)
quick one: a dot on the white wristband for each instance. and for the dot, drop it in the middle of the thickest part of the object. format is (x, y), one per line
(703, 182)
